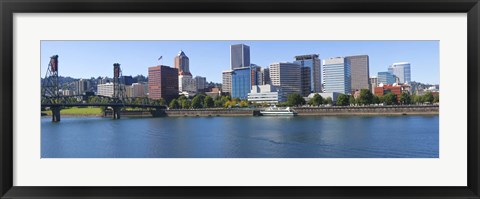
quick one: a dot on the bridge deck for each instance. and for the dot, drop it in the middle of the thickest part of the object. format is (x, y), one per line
(109, 104)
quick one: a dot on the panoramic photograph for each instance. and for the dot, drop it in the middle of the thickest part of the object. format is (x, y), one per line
(240, 99)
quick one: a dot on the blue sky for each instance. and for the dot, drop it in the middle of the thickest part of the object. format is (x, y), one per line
(85, 59)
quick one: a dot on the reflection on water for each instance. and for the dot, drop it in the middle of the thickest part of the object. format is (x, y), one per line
(242, 137)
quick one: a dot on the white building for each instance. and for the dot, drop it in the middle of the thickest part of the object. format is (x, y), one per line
(402, 71)
(105, 89)
(227, 81)
(333, 95)
(186, 84)
(373, 83)
(265, 94)
(82, 86)
(336, 75)
(200, 83)
(135, 90)
(67, 92)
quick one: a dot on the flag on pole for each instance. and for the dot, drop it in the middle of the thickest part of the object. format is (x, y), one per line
(160, 57)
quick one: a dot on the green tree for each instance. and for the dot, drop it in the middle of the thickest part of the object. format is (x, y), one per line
(197, 102)
(375, 99)
(390, 99)
(366, 97)
(316, 100)
(295, 99)
(342, 100)
(428, 97)
(186, 104)
(225, 98)
(173, 104)
(218, 102)
(351, 100)
(436, 98)
(328, 101)
(138, 100)
(158, 102)
(208, 102)
(228, 104)
(244, 103)
(182, 97)
(417, 99)
(405, 98)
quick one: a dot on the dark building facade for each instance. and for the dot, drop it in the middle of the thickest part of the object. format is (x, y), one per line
(239, 56)
(128, 80)
(306, 81)
(266, 75)
(359, 72)
(313, 62)
(162, 82)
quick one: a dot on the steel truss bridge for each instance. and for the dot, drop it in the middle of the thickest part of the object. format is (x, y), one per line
(55, 102)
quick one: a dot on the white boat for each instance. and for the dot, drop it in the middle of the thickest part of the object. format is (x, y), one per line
(275, 111)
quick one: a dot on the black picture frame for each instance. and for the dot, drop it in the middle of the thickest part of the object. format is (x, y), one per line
(10, 7)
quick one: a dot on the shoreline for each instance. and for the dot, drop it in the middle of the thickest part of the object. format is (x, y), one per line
(251, 115)
(301, 111)
(238, 115)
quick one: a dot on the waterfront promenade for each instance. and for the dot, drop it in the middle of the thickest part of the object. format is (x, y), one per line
(302, 111)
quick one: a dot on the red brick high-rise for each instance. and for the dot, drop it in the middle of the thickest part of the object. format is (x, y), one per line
(162, 82)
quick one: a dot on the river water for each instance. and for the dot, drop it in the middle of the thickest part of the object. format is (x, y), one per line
(242, 137)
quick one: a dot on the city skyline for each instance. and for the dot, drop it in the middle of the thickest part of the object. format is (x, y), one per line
(210, 58)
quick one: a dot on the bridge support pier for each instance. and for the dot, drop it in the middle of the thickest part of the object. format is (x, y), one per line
(55, 114)
(116, 112)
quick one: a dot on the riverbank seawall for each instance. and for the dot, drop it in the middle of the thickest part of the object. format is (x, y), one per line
(307, 111)
(369, 110)
(211, 112)
(302, 111)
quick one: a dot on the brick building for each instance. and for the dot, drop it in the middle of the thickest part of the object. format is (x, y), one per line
(162, 82)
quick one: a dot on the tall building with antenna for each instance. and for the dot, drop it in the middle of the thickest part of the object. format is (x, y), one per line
(182, 63)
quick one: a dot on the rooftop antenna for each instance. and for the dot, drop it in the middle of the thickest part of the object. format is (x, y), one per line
(160, 59)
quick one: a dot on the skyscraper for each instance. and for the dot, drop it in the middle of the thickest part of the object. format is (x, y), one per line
(306, 81)
(182, 63)
(185, 81)
(239, 56)
(200, 83)
(227, 82)
(336, 75)
(359, 72)
(401, 70)
(287, 77)
(313, 62)
(265, 76)
(241, 82)
(385, 78)
(162, 82)
(82, 86)
(256, 75)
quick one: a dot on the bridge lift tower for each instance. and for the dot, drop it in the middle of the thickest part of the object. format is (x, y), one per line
(50, 83)
(50, 87)
(119, 93)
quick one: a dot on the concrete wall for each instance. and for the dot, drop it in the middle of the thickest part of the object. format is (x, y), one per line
(209, 112)
(369, 110)
(347, 110)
